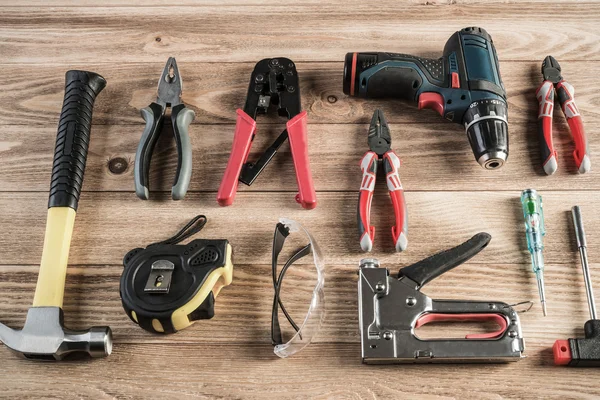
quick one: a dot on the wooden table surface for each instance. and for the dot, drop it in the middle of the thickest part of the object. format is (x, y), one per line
(449, 196)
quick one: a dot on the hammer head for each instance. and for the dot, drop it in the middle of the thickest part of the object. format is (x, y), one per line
(44, 338)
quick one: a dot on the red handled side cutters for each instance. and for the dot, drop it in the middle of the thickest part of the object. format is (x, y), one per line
(553, 81)
(380, 152)
(273, 81)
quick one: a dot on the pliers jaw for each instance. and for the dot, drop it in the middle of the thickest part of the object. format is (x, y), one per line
(551, 70)
(380, 140)
(273, 81)
(170, 85)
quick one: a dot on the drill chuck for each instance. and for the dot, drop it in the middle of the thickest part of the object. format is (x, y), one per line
(487, 130)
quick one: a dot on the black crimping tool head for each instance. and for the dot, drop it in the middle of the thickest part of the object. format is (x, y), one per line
(274, 81)
(391, 309)
(166, 287)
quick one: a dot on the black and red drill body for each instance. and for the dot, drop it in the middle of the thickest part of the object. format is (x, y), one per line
(463, 86)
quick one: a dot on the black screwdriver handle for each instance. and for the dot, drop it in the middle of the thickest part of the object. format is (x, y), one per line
(73, 138)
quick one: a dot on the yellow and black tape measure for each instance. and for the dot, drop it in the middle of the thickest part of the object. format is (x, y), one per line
(166, 286)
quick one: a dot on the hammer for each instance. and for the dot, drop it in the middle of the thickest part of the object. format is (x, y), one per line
(44, 337)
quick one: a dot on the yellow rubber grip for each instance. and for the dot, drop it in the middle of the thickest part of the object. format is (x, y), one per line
(214, 282)
(50, 288)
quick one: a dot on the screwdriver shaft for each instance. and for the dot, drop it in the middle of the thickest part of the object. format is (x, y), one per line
(582, 246)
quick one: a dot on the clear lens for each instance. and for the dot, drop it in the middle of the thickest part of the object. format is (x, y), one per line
(314, 317)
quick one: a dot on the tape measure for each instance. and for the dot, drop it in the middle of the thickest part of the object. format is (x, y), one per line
(167, 286)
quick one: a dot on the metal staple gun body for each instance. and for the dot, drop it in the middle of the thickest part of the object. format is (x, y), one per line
(391, 309)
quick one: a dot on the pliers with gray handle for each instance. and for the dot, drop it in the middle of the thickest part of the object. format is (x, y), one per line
(169, 95)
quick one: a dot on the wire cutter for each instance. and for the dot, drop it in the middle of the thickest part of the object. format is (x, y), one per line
(273, 81)
(566, 96)
(169, 95)
(380, 152)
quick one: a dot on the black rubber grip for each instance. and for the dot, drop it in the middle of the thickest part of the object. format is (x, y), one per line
(73, 138)
(434, 266)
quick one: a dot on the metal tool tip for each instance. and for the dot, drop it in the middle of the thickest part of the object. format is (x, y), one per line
(544, 309)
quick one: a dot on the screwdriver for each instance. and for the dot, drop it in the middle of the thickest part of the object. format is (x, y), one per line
(582, 246)
(581, 352)
(535, 231)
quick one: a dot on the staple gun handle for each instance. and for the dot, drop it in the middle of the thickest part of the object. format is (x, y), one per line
(434, 266)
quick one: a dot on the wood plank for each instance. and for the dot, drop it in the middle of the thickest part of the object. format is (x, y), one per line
(110, 224)
(32, 94)
(185, 371)
(435, 157)
(243, 310)
(390, 4)
(232, 33)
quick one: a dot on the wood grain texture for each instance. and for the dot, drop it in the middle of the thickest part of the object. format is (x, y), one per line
(243, 310)
(110, 224)
(441, 149)
(449, 196)
(323, 33)
(321, 371)
(32, 94)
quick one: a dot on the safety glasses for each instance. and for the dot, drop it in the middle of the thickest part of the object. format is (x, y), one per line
(314, 317)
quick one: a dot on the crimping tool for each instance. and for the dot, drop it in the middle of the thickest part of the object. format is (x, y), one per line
(566, 97)
(169, 95)
(391, 309)
(165, 287)
(380, 152)
(273, 81)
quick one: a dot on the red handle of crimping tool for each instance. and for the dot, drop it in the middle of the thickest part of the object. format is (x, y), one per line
(545, 97)
(245, 126)
(368, 166)
(391, 164)
(566, 97)
(297, 135)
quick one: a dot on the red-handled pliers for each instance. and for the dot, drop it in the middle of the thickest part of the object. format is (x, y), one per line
(273, 81)
(380, 143)
(553, 81)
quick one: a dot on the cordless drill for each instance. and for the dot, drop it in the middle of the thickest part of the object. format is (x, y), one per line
(463, 86)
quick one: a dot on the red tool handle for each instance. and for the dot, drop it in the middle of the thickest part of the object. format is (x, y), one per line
(297, 135)
(245, 126)
(391, 164)
(467, 317)
(566, 97)
(368, 166)
(545, 97)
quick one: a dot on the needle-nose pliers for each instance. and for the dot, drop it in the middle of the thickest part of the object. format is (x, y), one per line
(381, 153)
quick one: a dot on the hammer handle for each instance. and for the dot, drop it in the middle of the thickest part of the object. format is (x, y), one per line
(73, 138)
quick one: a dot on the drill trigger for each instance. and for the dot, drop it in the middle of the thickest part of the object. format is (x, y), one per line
(432, 100)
